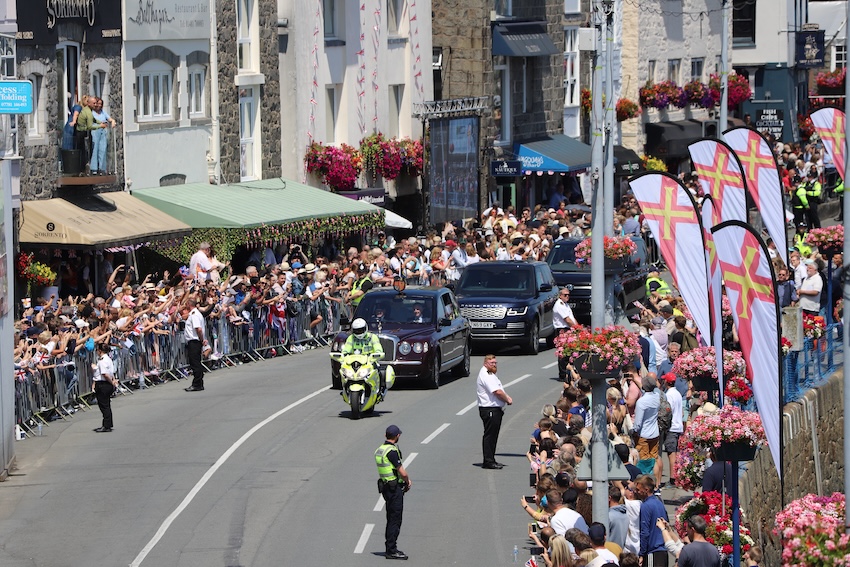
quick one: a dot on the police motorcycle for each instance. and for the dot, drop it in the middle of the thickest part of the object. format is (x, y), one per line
(362, 384)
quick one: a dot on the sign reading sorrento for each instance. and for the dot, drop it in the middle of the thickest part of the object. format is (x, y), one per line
(15, 97)
(159, 20)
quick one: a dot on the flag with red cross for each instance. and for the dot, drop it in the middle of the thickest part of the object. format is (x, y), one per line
(750, 285)
(761, 174)
(671, 214)
(720, 176)
(829, 124)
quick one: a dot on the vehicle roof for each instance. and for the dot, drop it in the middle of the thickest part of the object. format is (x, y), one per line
(428, 291)
(505, 263)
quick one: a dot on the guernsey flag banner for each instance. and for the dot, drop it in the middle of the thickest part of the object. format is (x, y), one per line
(829, 124)
(672, 216)
(748, 274)
(715, 288)
(720, 176)
(762, 177)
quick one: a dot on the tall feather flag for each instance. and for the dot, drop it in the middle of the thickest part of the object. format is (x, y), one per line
(715, 288)
(762, 177)
(672, 216)
(750, 285)
(720, 176)
(829, 124)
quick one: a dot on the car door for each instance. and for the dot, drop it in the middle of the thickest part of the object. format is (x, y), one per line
(451, 343)
(547, 298)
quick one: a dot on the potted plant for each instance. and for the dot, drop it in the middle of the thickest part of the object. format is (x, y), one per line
(831, 82)
(813, 326)
(737, 389)
(812, 531)
(738, 88)
(626, 109)
(829, 240)
(412, 156)
(699, 365)
(690, 464)
(716, 509)
(734, 434)
(604, 351)
(338, 167)
(34, 273)
(651, 163)
(654, 96)
(618, 248)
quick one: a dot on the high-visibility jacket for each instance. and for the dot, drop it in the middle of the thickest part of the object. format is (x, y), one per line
(663, 290)
(355, 287)
(367, 345)
(800, 244)
(386, 471)
(839, 188)
(813, 191)
(801, 201)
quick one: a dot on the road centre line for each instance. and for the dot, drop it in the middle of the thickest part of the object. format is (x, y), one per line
(511, 383)
(405, 463)
(364, 538)
(211, 471)
(437, 432)
(550, 365)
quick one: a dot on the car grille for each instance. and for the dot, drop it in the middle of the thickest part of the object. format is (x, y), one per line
(388, 343)
(484, 312)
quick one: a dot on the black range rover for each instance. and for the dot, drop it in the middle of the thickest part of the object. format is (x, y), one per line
(508, 302)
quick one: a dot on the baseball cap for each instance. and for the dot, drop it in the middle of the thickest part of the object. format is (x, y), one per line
(596, 531)
(393, 431)
(296, 265)
(451, 244)
(670, 378)
(657, 321)
(666, 308)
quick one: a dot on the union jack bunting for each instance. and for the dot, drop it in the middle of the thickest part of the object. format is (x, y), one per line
(748, 274)
(720, 176)
(829, 124)
(672, 217)
(762, 177)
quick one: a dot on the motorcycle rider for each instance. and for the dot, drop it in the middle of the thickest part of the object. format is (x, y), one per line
(361, 341)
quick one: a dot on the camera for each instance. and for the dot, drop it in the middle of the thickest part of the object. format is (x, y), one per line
(536, 550)
(529, 499)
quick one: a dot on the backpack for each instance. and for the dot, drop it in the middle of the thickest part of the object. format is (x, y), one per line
(665, 412)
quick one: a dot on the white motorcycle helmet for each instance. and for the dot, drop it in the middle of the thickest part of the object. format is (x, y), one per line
(358, 328)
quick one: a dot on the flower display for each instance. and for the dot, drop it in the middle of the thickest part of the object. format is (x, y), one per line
(616, 247)
(716, 509)
(827, 237)
(338, 167)
(700, 362)
(786, 346)
(390, 158)
(654, 96)
(412, 154)
(812, 531)
(586, 101)
(651, 163)
(689, 467)
(737, 389)
(832, 79)
(34, 273)
(702, 95)
(626, 109)
(729, 425)
(613, 345)
(813, 326)
(807, 129)
(738, 88)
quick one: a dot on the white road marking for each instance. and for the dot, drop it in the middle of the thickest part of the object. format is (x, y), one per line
(211, 471)
(552, 365)
(437, 432)
(364, 537)
(405, 463)
(511, 383)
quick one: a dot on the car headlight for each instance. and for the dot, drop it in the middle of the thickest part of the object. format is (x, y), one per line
(404, 348)
(417, 348)
(515, 311)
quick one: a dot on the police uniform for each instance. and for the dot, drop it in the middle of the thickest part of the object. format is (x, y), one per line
(839, 189)
(813, 192)
(392, 487)
(364, 284)
(663, 288)
(368, 344)
(103, 384)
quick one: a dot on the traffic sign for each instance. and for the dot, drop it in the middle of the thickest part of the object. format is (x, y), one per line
(16, 97)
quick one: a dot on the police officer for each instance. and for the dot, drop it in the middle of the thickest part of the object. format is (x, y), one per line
(654, 284)
(839, 189)
(799, 202)
(361, 285)
(393, 482)
(813, 192)
(363, 342)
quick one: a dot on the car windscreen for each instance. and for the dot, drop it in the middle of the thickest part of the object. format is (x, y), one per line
(396, 309)
(497, 279)
(563, 255)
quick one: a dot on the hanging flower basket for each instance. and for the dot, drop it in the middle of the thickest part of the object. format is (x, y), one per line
(716, 509)
(599, 351)
(626, 109)
(739, 451)
(812, 531)
(338, 167)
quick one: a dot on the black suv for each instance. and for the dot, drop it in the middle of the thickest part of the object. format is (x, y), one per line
(629, 282)
(508, 302)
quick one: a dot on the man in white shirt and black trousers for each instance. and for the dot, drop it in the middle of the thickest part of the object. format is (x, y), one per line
(562, 320)
(194, 333)
(491, 402)
(104, 383)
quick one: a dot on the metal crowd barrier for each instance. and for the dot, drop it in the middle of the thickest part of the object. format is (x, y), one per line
(653, 256)
(814, 364)
(59, 386)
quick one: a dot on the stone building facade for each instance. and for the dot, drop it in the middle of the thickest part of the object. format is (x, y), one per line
(249, 89)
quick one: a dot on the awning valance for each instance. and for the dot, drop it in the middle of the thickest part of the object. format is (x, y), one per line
(95, 221)
(671, 139)
(251, 204)
(522, 39)
(557, 153)
(626, 161)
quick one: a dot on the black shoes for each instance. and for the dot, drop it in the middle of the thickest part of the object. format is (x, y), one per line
(103, 430)
(397, 554)
(194, 389)
(494, 466)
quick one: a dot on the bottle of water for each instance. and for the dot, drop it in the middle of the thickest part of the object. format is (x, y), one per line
(516, 554)
(39, 429)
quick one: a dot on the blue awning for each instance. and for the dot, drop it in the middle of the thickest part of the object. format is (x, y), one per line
(522, 39)
(556, 153)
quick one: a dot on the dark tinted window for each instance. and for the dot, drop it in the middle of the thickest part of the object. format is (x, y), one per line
(395, 308)
(497, 279)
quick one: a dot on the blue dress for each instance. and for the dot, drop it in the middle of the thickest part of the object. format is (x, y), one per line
(68, 130)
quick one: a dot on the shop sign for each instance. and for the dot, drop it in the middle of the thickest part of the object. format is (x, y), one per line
(38, 20)
(375, 197)
(158, 20)
(810, 48)
(771, 120)
(15, 97)
(505, 168)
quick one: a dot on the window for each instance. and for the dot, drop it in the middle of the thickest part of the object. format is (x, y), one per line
(395, 11)
(34, 125)
(331, 113)
(572, 95)
(396, 99)
(98, 82)
(7, 58)
(743, 21)
(697, 65)
(504, 7)
(437, 68)
(246, 28)
(329, 17)
(502, 103)
(153, 92)
(650, 74)
(68, 66)
(248, 145)
(197, 90)
(674, 70)
(839, 57)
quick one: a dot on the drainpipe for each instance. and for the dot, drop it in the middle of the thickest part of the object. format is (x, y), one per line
(214, 100)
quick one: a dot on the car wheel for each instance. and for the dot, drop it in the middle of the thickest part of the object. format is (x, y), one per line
(462, 369)
(434, 378)
(533, 344)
